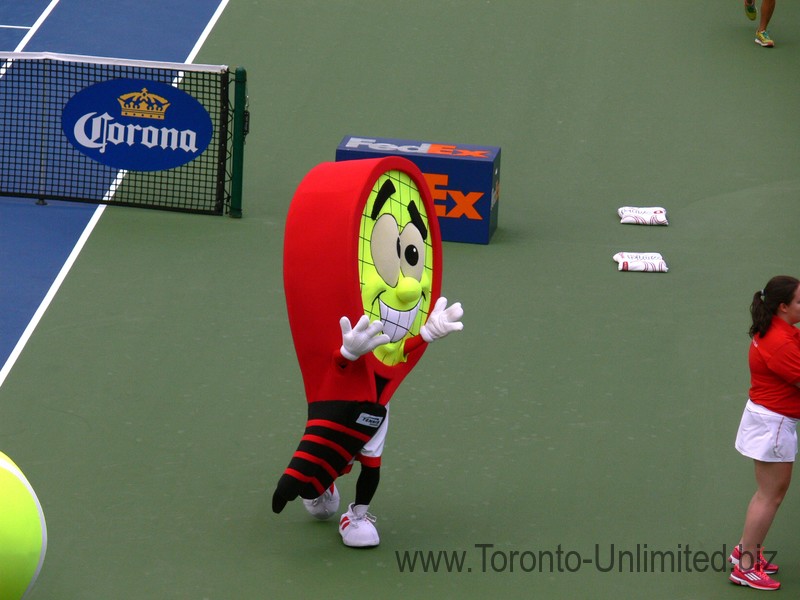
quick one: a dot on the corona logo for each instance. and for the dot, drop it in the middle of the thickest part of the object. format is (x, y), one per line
(103, 130)
(156, 128)
(143, 105)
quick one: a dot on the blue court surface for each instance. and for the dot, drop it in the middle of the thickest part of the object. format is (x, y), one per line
(36, 241)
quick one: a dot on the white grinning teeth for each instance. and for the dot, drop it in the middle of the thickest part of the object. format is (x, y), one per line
(397, 323)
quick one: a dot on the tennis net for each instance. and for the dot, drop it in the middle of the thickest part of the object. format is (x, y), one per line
(126, 132)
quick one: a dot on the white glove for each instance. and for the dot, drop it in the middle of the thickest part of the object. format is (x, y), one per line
(442, 321)
(361, 339)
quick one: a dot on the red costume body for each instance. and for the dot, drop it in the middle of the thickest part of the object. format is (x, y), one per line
(322, 284)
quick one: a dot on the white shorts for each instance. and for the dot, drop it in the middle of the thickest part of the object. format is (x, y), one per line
(373, 450)
(766, 436)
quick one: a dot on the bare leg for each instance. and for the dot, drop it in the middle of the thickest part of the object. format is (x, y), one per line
(767, 8)
(773, 480)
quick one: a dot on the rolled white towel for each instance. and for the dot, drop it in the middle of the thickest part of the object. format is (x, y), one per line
(651, 262)
(643, 215)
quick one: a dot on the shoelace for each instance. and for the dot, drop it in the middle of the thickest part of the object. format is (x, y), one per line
(762, 562)
(367, 517)
(326, 497)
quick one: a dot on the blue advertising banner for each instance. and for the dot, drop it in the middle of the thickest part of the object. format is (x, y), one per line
(464, 181)
(137, 125)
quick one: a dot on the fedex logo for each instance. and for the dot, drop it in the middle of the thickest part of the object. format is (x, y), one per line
(465, 202)
(463, 179)
(421, 148)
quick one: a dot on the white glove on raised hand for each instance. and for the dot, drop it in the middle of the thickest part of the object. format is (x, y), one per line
(361, 339)
(442, 321)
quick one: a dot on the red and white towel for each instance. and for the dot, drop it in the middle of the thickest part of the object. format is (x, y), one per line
(643, 215)
(651, 262)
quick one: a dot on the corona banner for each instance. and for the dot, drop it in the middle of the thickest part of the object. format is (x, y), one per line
(137, 125)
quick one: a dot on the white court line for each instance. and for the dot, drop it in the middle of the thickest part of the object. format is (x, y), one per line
(202, 39)
(37, 316)
(62, 274)
(35, 27)
(27, 38)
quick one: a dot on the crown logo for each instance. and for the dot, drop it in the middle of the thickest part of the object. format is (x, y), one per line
(143, 105)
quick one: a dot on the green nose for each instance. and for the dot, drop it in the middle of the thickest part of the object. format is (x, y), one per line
(408, 290)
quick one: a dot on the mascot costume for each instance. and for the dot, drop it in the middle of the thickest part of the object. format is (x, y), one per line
(362, 276)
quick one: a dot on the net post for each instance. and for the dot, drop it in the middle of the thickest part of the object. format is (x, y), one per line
(240, 130)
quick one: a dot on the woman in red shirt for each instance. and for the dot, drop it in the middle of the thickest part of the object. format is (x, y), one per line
(767, 432)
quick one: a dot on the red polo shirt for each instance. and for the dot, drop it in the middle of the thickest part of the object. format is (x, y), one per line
(775, 369)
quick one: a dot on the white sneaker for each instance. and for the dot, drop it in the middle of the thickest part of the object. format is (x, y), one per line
(325, 506)
(357, 529)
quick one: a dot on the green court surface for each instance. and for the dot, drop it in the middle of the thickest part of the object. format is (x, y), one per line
(574, 441)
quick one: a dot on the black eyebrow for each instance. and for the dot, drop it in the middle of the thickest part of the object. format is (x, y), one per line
(416, 219)
(387, 189)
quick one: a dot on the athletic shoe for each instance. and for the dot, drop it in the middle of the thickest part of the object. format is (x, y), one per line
(750, 10)
(765, 566)
(357, 529)
(325, 506)
(763, 39)
(754, 578)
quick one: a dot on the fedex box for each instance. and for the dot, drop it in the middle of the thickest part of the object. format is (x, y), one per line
(464, 181)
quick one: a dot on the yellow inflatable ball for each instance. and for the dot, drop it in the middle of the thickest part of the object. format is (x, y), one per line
(23, 533)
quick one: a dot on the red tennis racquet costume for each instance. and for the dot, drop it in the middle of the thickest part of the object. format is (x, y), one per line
(362, 277)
